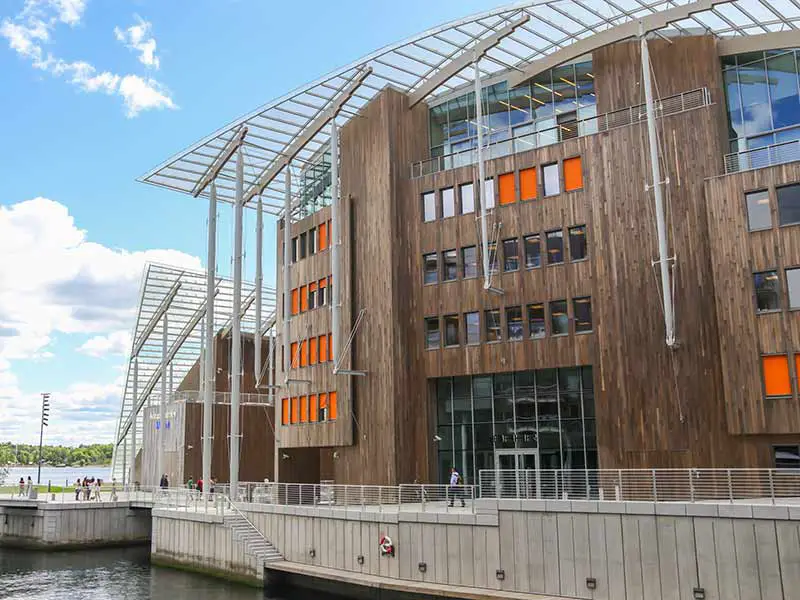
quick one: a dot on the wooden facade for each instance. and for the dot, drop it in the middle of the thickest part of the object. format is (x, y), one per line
(698, 405)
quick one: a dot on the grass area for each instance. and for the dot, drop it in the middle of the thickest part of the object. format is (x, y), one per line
(42, 489)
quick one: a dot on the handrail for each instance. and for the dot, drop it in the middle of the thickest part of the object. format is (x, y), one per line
(670, 105)
(766, 156)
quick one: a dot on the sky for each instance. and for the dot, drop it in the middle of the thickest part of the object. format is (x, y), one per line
(93, 94)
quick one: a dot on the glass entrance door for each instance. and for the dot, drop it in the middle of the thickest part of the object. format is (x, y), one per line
(517, 473)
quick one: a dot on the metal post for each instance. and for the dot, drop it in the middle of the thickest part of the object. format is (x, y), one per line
(287, 280)
(208, 366)
(335, 243)
(236, 343)
(42, 422)
(132, 477)
(124, 462)
(663, 246)
(259, 285)
(481, 177)
(162, 418)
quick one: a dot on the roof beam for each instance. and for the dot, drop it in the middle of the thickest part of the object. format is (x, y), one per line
(756, 43)
(461, 61)
(628, 30)
(311, 130)
(151, 324)
(222, 158)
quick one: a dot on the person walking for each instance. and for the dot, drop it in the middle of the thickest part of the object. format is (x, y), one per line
(21, 487)
(97, 485)
(114, 497)
(30, 486)
(77, 490)
(455, 487)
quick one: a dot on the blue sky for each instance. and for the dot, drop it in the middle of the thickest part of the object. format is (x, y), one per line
(93, 93)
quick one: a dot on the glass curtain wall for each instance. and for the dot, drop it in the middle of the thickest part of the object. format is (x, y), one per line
(550, 108)
(549, 410)
(315, 186)
(762, 92)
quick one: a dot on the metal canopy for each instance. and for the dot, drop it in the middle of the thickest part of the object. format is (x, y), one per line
(184, 294)
(553, 25)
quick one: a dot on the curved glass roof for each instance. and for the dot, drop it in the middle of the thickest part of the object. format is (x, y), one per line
(285, 128)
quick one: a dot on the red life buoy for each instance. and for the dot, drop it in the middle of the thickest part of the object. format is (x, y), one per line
(386, 545)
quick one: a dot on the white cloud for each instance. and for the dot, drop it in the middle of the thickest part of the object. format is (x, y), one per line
(139, 37)
(116, 342)
(31, 29)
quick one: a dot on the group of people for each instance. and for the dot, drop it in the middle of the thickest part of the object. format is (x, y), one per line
(198, 485)
(89, 489)
(25, 489)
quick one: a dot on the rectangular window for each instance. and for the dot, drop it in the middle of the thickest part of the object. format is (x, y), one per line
(448, 202)
(786, 457)
(488, 192)
(493, 332)
(294, 355)
(573, 174)
(313, 348)
(321, 285)
(429, 206)
(467, 198)
(759, 215)
(303, 298)
(552, 183)
(582, 310)
(527, 184)
(793, 283)
(323, 348)
(432, 338)
(555, 247)
(330, 346)
(304, 409)
(332, 407)
(430, 268)
(559, 321)
(494, 263)
(511, 255)
(469, 258)
(295, 301)
(514, 323)
(577, 243)
(294, 249)
(304, 353)
(285, 411)
(472, 326)
(313, 409)
(533, 252)
(767, 291)
(312, 296)
(312, 241)
(536, 320)
(508, 195)
(451, 330)
(323, 408)
(450, 265)
(788, 204)
(322, 232)
(295, 410)
(302, 245)
(776, 376)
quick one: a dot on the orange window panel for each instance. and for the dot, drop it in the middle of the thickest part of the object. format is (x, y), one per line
(295, 411)
(313, 408)
(527, 184)
(312, 287)
(573, 174)
(303, 298)
(322, 231)
(285, 411)
(293, 350)
(776, 376)
(330, 347)
(304, 409)
(323, 282)
(323, 348)
(304, 353)
(507, 193)
(332, 405)
(295, 302)
(312, 351)
(323, 403)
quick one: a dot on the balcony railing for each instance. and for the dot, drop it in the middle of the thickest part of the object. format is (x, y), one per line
(671, 105)
(222, 397)
(758, 158)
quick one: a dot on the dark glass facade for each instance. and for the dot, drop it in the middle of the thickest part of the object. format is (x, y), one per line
(547, 416)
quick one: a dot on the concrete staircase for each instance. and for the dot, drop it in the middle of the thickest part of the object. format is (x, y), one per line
(255, 544)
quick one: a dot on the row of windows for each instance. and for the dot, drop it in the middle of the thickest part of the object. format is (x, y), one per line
(530, 250)
(775, 369)
(759, 212)
(311, 296)
(466, 329)
(768, 295)
(310, 242)
(314, 408)
(448, 205)
(314, 350)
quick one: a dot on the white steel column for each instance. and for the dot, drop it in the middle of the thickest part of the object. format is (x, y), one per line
(124, 462)
(236, 317)
(336, 276)
(481, 177)
(162, 419)
(287, 280)
(132, 476)
(259, 285)
(208, 367)
(663, 244)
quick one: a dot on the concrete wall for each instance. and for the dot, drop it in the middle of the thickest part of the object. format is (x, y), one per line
(200, 542)
(37, 525)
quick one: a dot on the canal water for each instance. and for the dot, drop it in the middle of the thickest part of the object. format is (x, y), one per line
(123, 574)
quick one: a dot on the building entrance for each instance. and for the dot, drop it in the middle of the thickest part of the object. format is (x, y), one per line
(517, 472)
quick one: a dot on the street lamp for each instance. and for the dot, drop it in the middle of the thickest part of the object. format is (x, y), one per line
(45, 415)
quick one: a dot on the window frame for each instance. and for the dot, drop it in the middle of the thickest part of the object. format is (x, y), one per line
(471, 185)
(550, 312)
(303, 245)
(786, 271)
(575, 302)
(777, 292)
(464, 263)
(423, 197)
(445, 278)
(764, 378)
(769, 209)
(505, 256)
(312, 241)
(778, 188)
(585, 243)
(545, 192)
(467, 341)
(525, 239)
(453, 318)
(550, 263)
(569, 160)
(452, 192)
(486, 328)
(521, 324)
(425, 258)
(544, 320)
(428, 345)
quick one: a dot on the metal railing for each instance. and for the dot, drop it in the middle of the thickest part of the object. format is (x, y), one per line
(753, 486)
(222, 397)
(758, 158)
(631, 115)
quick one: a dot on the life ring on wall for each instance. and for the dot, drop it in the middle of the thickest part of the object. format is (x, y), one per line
(386, 545)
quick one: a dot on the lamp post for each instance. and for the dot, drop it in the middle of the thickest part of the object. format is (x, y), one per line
(45, 415)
